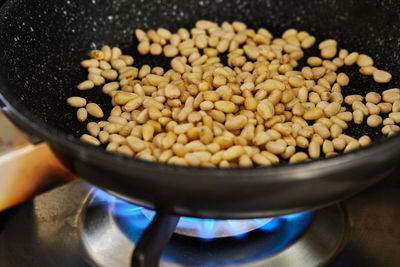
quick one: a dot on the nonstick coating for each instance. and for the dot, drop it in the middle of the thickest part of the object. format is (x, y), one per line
(42, 43)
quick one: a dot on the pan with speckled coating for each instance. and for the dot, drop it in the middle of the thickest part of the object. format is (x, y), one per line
(42, 43)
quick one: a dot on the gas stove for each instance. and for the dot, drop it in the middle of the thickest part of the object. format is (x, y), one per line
(201, 242)
(79, 225)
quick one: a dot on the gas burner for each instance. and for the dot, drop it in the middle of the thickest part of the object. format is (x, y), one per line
(110, 228)
(129, 217)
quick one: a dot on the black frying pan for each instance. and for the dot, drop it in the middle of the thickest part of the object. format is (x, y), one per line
(42, 43)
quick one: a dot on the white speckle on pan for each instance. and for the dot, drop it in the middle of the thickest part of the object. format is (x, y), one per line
(31, 29)
(110, 18)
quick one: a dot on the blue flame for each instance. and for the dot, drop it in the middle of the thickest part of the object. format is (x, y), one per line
(134, 219)
(272, 234)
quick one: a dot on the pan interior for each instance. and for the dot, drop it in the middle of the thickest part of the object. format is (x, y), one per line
(43, 42)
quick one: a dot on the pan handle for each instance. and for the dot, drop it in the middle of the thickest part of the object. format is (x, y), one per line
(26, 169)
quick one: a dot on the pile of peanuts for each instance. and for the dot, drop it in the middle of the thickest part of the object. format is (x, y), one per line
(256, 111)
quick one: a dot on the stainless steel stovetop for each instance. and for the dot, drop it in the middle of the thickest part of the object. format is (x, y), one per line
(47, 231)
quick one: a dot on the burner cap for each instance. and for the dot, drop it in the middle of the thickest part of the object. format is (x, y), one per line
(210, 228)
